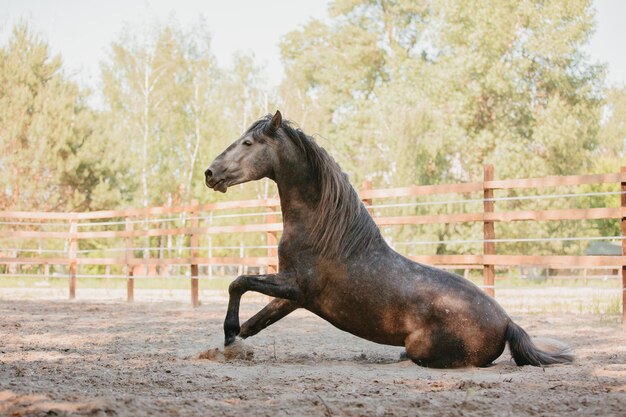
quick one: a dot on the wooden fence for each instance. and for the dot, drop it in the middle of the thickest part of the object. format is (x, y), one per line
(196, 221)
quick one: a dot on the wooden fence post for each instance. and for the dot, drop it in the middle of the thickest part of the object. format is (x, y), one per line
(623, 221)
(489, 246)
(272, 241)
(130, 271)
(72, 257)
(210, 243)
(367, 185)
(194, 243)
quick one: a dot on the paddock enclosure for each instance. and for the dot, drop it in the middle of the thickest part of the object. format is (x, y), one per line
(488, 226)
(94, 355)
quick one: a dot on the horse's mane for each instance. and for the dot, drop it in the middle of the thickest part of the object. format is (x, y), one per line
(343, 226)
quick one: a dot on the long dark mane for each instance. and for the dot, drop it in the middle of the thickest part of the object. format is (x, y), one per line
(343, 226)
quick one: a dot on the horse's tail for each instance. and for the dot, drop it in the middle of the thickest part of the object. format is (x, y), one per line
(526, 352)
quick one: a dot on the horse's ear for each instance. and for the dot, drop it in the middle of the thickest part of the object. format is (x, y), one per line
(276, 121)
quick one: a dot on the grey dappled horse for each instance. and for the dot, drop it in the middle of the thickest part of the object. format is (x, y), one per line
(335, 263)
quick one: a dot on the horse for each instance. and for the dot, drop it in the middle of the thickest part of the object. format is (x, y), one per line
(334, 262)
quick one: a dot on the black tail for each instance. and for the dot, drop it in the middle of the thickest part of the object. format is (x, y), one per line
(525, 352)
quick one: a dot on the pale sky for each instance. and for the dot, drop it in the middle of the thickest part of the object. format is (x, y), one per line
(82, 30)
(607, 44)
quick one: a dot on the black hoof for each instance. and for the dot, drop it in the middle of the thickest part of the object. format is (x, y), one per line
(230, 339)
(231, 330)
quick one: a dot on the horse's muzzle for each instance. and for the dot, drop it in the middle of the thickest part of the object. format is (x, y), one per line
(215, 182)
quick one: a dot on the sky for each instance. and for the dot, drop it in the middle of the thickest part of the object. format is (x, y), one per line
(607, 43)
(82, 30)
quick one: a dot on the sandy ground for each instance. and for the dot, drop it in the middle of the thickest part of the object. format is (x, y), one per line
(114, 359)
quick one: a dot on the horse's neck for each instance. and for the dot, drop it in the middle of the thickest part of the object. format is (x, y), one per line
(297, 203)
(305, 227)
(321, 218)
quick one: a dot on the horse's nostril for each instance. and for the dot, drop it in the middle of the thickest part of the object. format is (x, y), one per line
(208, 173)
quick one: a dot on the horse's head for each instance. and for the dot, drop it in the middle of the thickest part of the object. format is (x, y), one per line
(251, 157)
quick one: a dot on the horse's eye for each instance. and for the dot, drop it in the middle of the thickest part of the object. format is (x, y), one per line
(247, 142)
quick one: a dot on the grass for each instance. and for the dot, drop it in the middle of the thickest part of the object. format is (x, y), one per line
(221, 282)
(217, 283)
(518, 282)
(551, 295)
(609, 305)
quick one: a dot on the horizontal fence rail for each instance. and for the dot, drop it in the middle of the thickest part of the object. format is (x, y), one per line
(138, 241)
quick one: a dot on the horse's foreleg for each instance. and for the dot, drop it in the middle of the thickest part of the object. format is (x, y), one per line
(275, 285)
(270, 314)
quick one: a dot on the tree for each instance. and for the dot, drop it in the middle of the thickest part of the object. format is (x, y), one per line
(521, 84)
(176, 107)
(52, 147)
(427, 92)
(612, 135)
(448, 86)
(134, 86)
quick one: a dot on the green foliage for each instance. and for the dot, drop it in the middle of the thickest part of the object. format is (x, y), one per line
(612, 137)
(400, 92)
(442, 88)
(176, 108)
(52, 142)
(428, 92)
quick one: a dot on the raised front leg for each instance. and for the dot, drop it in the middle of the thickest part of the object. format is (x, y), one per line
(270, 314)
(279, 285)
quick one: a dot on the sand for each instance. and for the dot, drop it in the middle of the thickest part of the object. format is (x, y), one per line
(99, 358)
